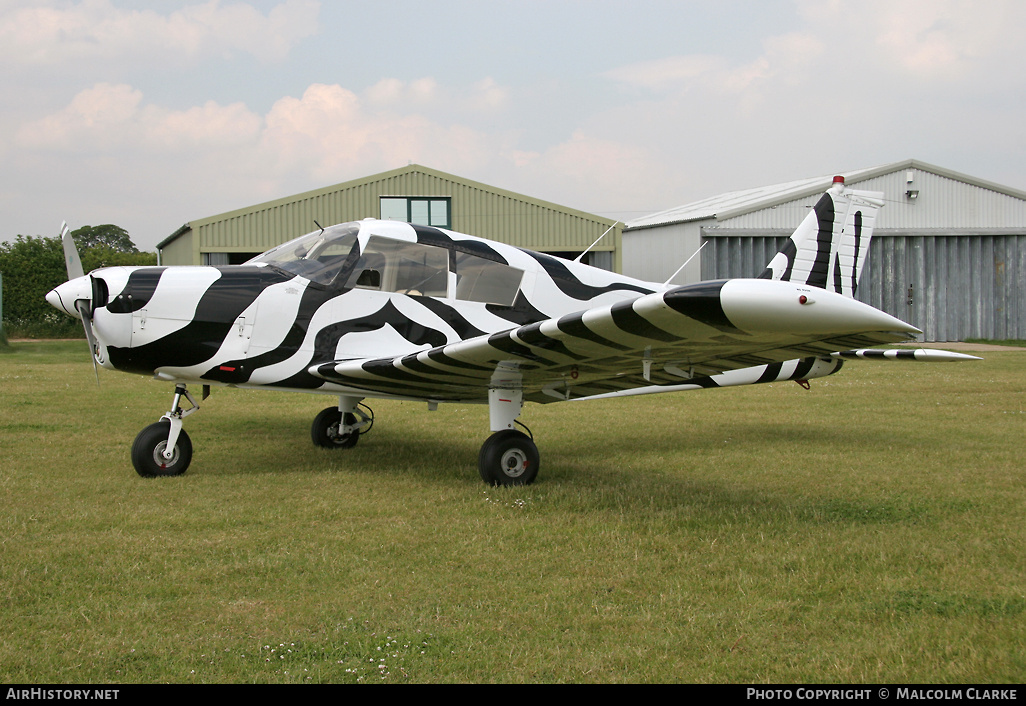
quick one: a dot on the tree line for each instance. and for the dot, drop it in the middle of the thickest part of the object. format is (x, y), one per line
(33, 265)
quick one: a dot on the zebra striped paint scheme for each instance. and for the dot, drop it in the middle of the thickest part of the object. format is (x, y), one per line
(829, 248)
(660, 339)
(919, 354)
(572, 332)
(389, 309)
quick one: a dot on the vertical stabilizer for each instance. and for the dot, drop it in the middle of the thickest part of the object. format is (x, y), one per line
(831, 245)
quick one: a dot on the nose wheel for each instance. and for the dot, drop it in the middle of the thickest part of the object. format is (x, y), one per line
(148, 451)
(163, 448)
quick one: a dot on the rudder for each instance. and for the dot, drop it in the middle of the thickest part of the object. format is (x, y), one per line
(831, 245)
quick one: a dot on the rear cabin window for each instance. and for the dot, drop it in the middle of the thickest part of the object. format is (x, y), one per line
(481, 280)
(423, 270)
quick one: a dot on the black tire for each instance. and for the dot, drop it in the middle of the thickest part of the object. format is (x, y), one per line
(324, 430)
(508, 457)
(149, 445)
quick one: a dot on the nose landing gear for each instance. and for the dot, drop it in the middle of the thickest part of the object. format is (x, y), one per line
(163, 448)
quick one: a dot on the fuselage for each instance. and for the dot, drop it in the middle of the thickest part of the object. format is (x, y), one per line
(367, 289)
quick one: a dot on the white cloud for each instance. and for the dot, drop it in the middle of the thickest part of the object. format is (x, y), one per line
(483, 96)
(94, 119)
(328, 130)
(839, 85)
(939, 40)
(92, 30)
(670, 73)
(114, 117)
(216, 156)
(584, 171)
(331, 132)
(846, 85)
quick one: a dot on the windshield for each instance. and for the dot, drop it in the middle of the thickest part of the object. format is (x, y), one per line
(318, 256)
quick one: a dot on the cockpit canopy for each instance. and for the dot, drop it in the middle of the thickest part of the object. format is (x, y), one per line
(318, 256)
(333, 257)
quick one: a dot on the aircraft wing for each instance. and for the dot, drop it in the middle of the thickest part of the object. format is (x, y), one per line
(666, 337)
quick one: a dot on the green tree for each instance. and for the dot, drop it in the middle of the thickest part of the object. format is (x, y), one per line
(32, 266)
(107, 236)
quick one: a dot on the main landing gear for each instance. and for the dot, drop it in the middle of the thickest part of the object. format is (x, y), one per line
(507, 457)
(340, 427)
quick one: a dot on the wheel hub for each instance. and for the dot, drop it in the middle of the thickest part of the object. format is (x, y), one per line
(514, 463)
(158, 455)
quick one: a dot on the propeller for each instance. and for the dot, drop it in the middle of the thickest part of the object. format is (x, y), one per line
(83, 306)
(71, 259)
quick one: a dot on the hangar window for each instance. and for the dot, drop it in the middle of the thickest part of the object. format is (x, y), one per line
(422, 210)
(396, 266)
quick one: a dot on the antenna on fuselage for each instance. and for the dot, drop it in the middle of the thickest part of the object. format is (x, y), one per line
(685, 264)
(578, 258)
(318, 225)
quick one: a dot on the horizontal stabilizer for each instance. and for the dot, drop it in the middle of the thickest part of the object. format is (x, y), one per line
(920, 354)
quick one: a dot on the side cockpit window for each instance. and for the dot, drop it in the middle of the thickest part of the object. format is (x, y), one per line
(397, 266)
(333, 257)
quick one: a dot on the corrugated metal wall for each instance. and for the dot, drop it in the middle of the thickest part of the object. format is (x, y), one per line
(942, 202)
(951, 261)
(952, 287)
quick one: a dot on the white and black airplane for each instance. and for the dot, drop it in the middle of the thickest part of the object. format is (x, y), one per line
(385, 309)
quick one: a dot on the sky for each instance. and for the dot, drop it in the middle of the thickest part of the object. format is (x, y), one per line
(154, 113)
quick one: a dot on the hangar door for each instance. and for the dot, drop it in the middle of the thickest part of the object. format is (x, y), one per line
(952, 287)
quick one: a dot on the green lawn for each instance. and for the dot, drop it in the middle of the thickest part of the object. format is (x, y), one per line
(868, 530)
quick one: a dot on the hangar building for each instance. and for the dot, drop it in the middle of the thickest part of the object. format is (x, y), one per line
(948, 253)
(414, 194)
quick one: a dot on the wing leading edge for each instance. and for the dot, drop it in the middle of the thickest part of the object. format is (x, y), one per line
(665, 338)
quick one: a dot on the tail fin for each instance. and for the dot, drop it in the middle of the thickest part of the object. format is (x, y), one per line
(830, 246)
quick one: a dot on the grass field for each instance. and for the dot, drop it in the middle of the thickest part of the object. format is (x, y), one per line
(868, 530)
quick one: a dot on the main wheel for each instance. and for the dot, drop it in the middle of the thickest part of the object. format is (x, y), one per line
(325, 430)
(148, 452)
(508, 457)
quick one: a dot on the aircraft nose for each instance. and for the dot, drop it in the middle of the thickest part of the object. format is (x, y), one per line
(64, 296)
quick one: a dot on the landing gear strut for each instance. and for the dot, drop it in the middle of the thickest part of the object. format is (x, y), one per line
(340, 427)
(163, 448)
(508, 457)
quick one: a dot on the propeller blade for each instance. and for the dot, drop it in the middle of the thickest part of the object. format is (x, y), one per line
(71, 259)
(83, 307)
